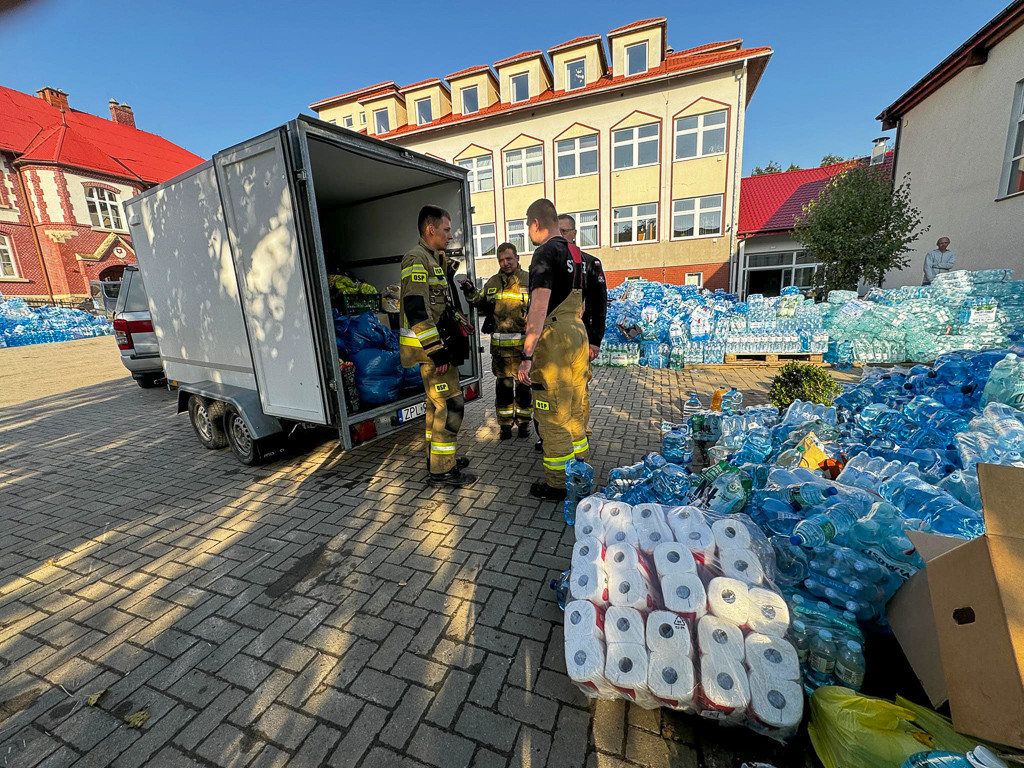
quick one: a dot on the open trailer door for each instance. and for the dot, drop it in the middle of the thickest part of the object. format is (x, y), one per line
(256, 181)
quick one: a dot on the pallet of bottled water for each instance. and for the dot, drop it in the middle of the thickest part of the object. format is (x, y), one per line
(21, 325)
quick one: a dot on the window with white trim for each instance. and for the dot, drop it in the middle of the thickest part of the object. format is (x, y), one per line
(576, 157)
(517, 232)
(700, 135)
(634, 147)
(484, 241)
(381, 123)
(349, 122)
(636, 58)
(635, 224)
(575, 74)
(697, 217)
(1015, 145)
(524, 166)
(519, 85)
(586, 229)
(695, 278)
(424, 113)
(481, 173)
(470, 100)
(104, 210)
(7, 268)
(362, 118)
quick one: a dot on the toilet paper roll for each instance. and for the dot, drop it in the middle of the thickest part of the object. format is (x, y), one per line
(768, 612)
(630, 588)
(652, 533)
(616, 510)
(668, 632)
(588, 550)
(620, 557)
(717, 636)
(684, 593)
(585, 663)
(742, 564)
(589, 509)
(728, 599)
(682, 519)
(673, 557)
(648, 513)
(731, 533)
(583, 618)
(625, 667)
(700, 541)
(588, 527)
(619, 530)
(776, 703)
(771, 657)
(671, 678)
(624, 625)
(724, 688)
(589, 582)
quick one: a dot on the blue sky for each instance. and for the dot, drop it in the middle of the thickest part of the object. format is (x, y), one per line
(208, 74)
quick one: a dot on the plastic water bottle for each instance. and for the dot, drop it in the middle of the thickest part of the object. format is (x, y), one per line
(801, 639)
(579, 482)
(561, 588)
(821, 657)
(850, 665)
(727, 494)
(824, 526)
(692, 405)
(674, 446)
(732, 401)
(810, 494)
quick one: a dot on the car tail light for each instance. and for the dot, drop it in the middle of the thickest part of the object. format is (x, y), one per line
(123, 330)
(469, 392)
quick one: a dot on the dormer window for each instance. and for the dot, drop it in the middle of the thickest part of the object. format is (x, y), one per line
(520, 85)
(381, 124)
(636, 59)
(470, 100)
(575, 74)
(424, 113)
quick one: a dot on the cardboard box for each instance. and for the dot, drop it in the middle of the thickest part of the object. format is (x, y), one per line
(960, 621)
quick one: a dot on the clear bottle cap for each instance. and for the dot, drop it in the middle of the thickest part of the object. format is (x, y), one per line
(825, 635)
(854, 646)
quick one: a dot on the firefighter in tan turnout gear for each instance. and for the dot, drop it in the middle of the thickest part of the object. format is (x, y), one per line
(433, 335)
(503, 301)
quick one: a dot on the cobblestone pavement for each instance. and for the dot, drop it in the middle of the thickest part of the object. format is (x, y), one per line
(326, 609)
(28, 373)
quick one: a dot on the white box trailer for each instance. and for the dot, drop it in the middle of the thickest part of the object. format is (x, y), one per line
(235, 255)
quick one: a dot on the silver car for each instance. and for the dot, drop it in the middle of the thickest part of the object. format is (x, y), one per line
(133, 329)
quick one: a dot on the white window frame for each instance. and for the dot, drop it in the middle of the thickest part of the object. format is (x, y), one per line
(524, 163)
(1016, 134)
(699, 131)
(699, 282)
(576, 152)
(635, 141)
(698, 209)
(478, 240)
(512, 87)
(430, 110)
(790, 262)
(633, 47)
(635, 217)
(568, 68)
(349, 121)
(593, 223)
(8, 268)
(102, 202)
(462, 98)
(376, 121)
(474, 165)
(516, 231)
(362, 118)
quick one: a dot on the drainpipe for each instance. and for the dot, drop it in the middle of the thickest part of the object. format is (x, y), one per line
(741, 112)
(35, 234)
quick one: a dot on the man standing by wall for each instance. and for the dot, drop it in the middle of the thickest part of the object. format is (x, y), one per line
(939, 260)
(503, 300)
(555, 353)
(430, 336)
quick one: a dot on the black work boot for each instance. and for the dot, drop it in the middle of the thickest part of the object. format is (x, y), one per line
(506, 432)
(461, 462)
(539, 445)
(524, 430)
(453, 478)
(542, 490)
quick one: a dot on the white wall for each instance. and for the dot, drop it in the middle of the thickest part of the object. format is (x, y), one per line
(953, 146)
(76, 191)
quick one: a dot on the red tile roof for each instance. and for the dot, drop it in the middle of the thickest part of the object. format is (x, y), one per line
(351, 94)
(576, 41)
(33, 129)
(638, 24)
(423, 84)
(392, 91)
(518, 57)
(471, 71)
(709, 47)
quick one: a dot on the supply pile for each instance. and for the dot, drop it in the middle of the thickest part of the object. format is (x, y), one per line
(21, 325)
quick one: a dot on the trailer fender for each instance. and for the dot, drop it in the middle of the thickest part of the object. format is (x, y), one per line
(245, 401)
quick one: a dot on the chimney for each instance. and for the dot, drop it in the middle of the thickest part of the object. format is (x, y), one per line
(122, 113)
(55, 97)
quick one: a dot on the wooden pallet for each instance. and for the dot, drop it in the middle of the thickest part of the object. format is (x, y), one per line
(772, 358)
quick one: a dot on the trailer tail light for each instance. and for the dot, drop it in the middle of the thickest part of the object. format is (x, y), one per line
(470, 392)
(123, 330)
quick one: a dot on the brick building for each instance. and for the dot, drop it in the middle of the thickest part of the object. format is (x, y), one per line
(64, 175)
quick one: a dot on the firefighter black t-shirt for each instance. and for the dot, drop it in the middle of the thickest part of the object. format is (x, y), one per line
(552, 267)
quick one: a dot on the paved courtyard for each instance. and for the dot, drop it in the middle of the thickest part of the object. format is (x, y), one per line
(325, 609)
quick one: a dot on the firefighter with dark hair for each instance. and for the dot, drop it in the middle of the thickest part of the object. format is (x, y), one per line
(434, 335)
(503, 302)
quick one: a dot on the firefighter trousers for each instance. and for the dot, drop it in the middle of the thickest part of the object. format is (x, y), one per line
(512, 399)
(445, 408)
(586, 395)
(559, 376)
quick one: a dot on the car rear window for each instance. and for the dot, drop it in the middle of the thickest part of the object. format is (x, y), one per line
(135, 299)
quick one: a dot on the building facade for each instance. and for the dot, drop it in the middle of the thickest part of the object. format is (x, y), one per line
(960, 137)
(63, 177)
(641, 144)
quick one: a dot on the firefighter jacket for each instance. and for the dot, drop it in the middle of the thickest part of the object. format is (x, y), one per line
(505, 298)
(425, 295)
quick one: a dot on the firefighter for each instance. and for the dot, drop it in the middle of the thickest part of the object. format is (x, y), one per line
(503, 300)
(556, 351)
(432, 335)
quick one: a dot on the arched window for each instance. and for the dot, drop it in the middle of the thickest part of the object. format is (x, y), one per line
(104, 210)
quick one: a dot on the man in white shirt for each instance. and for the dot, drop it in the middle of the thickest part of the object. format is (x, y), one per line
(939, 260)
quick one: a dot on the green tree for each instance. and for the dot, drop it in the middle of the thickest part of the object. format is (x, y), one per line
(794, 167)
(859, 228)
(772, 167)
(831, 159)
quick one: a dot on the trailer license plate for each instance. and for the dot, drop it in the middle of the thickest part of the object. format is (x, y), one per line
(412, 412)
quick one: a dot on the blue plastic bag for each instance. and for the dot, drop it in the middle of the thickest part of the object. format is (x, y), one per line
(378, 375)
(365, 332)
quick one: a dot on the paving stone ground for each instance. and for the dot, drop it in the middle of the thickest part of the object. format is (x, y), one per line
(326, 609)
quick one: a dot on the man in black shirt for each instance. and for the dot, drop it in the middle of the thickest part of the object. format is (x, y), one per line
(555, 353)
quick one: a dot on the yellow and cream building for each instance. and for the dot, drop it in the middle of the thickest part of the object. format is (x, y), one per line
(640, 143)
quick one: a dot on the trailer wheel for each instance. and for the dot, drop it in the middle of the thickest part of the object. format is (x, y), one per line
(207, 417)
(245, 447)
